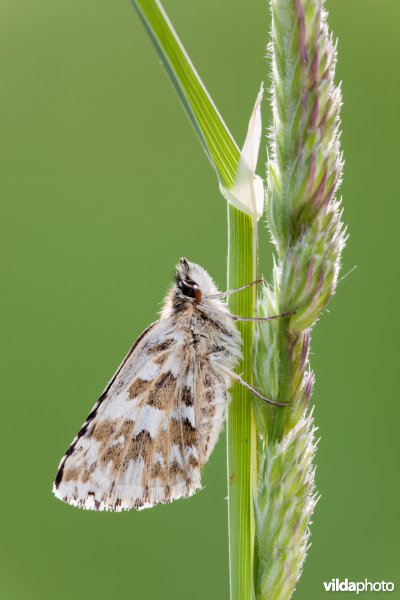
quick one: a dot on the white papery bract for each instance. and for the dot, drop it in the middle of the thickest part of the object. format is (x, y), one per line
(247, 192)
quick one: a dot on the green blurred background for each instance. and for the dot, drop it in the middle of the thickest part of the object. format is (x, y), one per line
(103, 187)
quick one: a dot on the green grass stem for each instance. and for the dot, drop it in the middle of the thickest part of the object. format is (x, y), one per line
(241, 436)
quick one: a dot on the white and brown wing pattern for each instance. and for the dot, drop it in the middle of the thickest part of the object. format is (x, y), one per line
(158, 420)
(150, 432)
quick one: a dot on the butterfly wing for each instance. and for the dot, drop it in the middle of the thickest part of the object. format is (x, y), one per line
(139, 445)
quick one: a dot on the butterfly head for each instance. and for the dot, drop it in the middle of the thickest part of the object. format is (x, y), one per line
(192, 281)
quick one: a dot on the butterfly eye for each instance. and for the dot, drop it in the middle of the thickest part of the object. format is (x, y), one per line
(190, 289)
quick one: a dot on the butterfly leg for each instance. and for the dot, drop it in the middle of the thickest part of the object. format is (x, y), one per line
(234, 290)
(244, 383)
(256, 319)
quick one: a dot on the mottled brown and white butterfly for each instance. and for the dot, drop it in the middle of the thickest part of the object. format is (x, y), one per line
(158, 420)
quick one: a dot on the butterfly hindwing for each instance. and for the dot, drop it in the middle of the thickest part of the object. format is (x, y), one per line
(139, 445)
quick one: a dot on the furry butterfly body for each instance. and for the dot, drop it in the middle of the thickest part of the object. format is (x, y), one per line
(155, 425)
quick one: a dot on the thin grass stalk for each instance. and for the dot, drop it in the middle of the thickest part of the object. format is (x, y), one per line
(241, 435)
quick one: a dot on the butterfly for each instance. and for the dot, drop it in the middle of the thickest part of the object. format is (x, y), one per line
(156, 423)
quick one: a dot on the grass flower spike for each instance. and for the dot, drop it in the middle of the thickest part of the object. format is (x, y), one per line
(304, 219)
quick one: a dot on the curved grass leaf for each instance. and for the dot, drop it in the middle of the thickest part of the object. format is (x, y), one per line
(211, 129)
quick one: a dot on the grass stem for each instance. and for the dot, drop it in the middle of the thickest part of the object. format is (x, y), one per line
(241, 435)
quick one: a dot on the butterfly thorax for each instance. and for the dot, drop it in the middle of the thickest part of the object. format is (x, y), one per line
(207, 328)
